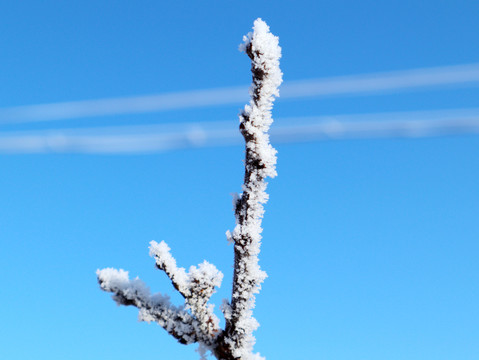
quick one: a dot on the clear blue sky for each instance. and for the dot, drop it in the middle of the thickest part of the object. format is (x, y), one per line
(371, 246)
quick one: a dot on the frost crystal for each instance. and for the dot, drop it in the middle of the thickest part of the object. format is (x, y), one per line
(195, 322)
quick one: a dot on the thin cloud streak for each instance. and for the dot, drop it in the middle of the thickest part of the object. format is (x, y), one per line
(161, 138)
(335, 86)
(122, 106)
(383, 82)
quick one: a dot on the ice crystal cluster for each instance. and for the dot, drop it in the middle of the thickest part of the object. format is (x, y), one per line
(195, 322)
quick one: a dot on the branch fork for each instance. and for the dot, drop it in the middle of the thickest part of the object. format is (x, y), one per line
(195, 322)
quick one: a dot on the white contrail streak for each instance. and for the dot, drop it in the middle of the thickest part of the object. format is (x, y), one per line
(343, 85)
(383, 82)
(160, 138)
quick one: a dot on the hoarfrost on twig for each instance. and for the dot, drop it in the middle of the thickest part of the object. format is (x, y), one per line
(195, 322)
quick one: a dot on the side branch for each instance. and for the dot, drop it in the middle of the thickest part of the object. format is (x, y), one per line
(196, 287)
(176, 321)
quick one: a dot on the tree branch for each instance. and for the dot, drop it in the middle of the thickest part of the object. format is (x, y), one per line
(260, 160)
(177, 322)
(196, 322)
(196, 286)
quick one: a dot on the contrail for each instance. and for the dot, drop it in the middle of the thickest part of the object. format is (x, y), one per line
(335, 86)
(383, 82)
(160, 138)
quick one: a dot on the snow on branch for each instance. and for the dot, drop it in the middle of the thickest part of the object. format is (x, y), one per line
(195, 321)
(260, 160)
(176, 321)
(196, 286)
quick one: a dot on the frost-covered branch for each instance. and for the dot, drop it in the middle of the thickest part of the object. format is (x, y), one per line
(195, 321)
(196, 286)
(157, 307)
(260, 160)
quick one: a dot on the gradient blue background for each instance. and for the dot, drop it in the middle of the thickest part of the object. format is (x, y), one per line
(371, 246)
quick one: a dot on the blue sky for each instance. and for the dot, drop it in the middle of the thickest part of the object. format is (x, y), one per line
(370, 244)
